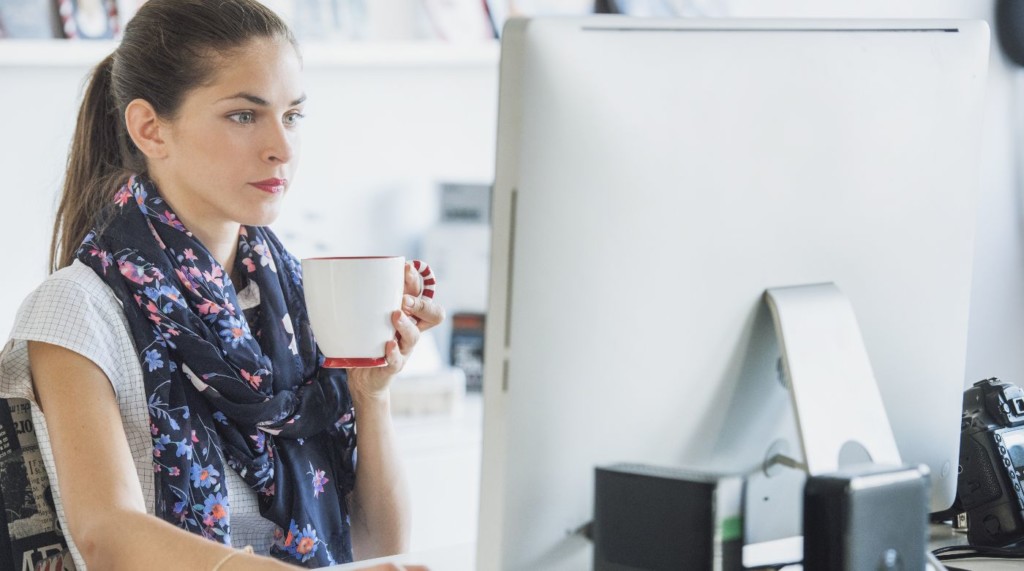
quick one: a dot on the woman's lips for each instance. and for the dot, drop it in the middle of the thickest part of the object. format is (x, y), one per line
(271, 185)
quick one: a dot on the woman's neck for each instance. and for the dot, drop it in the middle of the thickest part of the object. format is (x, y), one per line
(222, 244)
(220, 237)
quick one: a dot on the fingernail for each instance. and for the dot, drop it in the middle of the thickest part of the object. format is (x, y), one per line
(405, 319)
(409, 301)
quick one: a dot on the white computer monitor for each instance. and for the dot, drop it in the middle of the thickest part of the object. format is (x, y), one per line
(654, 177)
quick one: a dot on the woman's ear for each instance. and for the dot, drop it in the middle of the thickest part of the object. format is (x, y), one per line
(145, 128)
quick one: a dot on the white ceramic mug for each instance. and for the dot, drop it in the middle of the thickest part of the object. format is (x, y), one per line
(350, 301)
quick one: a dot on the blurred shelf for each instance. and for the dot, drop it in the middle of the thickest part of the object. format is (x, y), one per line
(53, 53)
(404, 54)
(423, 54)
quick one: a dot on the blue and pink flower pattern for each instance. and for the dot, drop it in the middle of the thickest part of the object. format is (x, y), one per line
(227, 389)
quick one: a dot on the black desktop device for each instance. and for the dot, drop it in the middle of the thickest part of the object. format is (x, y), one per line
(867, 517)
(653, 518)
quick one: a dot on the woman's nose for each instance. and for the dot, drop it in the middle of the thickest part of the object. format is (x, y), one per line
(279, 146)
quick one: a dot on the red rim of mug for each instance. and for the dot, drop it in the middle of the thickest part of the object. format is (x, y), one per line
(354, 258)
(358, 362)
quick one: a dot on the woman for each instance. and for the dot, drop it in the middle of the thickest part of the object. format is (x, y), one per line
(178, 385)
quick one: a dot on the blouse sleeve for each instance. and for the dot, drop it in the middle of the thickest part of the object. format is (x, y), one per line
(66, 313)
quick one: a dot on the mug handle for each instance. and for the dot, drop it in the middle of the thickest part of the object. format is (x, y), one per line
(427, 274)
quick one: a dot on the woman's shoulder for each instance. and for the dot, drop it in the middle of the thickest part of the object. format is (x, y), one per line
(76, 278)
(75, 309)
(72, 289)
(73, 302)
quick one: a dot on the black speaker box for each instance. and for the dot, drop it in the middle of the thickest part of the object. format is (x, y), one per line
(652, 518)
(866, 518)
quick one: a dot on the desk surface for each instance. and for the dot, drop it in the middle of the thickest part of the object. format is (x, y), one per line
(943, 535)
(462, 557)
(456, 558)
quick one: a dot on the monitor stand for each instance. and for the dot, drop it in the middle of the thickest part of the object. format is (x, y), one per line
(840, 416)
(835, 396)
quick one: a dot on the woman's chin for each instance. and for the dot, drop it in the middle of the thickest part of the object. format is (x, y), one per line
(261, 217)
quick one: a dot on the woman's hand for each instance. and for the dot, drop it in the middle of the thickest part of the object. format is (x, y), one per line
(417, 315)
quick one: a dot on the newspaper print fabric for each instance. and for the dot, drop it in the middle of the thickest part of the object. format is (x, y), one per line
(30, 537)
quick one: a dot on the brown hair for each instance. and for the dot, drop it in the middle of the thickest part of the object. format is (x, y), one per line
(168, 49)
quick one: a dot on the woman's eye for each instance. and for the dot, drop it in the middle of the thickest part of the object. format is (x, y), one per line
(293, 118)
(243, 117)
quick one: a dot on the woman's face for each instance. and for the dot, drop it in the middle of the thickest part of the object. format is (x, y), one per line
(233, 147)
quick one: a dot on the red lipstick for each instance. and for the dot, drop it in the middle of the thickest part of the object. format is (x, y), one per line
(271, 185)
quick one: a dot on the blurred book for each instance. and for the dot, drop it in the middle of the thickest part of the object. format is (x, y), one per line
(640, 8)
(397, 21)
(497, 13)
(329, 19)
(465, 202)
(549, 7)
(459, 20)
(501, 10)
(663, 8)
(467, 347)
(34, 19)
(88, 19)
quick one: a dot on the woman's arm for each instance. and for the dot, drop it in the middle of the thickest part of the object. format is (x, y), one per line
(379, 503)
(102, 497)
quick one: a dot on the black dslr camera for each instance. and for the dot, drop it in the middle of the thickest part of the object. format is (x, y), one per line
(992, 463)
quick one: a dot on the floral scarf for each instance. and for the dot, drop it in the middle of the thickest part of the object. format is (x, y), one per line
(224, 388)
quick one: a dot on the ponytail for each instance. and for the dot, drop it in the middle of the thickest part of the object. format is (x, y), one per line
(95, 167)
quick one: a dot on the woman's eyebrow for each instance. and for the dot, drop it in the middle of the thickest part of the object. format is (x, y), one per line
(259, 100)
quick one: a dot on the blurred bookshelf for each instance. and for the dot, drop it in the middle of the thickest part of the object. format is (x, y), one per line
(53, 53)
(400, 54)
(418, 54)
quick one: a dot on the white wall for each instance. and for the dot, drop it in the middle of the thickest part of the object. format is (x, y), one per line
(39, 109)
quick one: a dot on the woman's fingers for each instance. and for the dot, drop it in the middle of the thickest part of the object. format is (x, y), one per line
(423, 309)
(408, 332)
(395, 358)
(413, 281)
